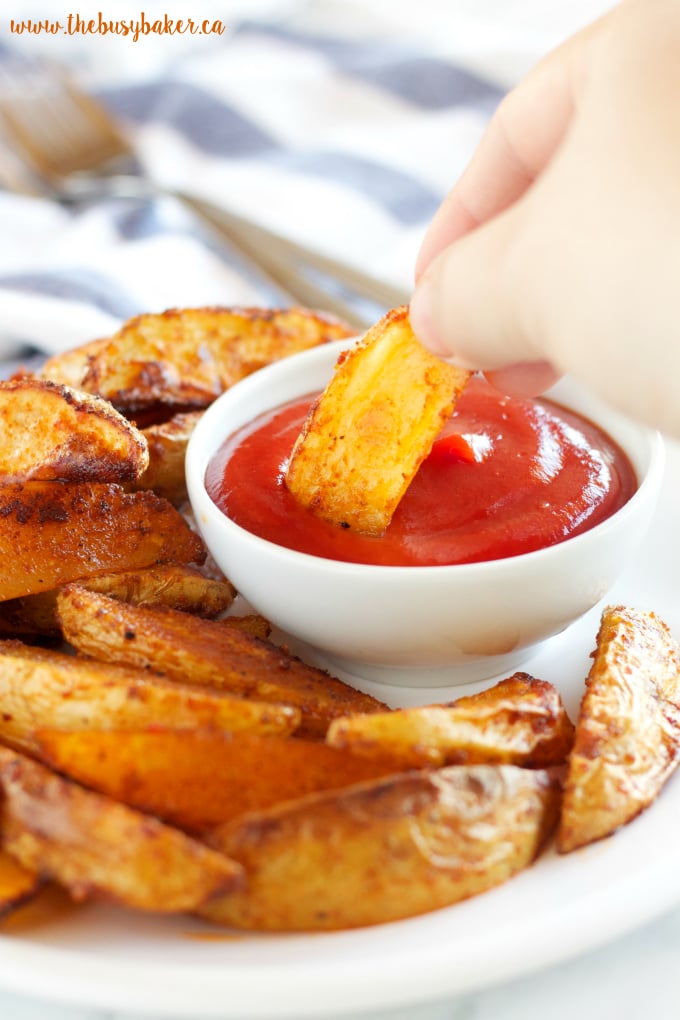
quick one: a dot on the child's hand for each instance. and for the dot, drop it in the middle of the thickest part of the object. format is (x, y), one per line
(559, 248)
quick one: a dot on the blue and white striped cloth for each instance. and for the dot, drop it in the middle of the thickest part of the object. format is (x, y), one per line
(336, 124)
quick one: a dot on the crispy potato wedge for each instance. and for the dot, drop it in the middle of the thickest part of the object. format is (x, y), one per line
(167, 444)
(184, 358)
(41, 688)
(50, 432)
(17, 884)
(177, 585)
(52, 533)
(199, 779)
(68, 368)
(387, 849)
(94, 846)
(205, 652)
(252, 623)
(519, 721)
(628, 729)
(367, 434)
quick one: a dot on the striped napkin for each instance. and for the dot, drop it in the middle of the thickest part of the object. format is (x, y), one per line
(335, 124)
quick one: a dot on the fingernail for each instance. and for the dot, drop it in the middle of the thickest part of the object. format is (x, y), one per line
(422, 319)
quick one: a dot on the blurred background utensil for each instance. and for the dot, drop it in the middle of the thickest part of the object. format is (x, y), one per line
(58, 141)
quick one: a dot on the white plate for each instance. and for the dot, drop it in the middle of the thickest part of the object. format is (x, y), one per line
(101, 957)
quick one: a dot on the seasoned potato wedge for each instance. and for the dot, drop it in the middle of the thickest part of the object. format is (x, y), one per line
(177, 585)
(94, 846)
(50, 432)
(252, 623)
(17, 883)
(184, 358)
(167, 443)
(51, 533)
(368, 433)
(68, 368)
(42, 688)
(387, 849)
(199, 779)
(519, 721)
(204, 652)
(628, 729)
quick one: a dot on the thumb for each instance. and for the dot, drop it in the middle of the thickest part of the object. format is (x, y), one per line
(466, 306)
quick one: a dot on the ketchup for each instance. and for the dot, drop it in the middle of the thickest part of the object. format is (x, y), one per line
(505, 476)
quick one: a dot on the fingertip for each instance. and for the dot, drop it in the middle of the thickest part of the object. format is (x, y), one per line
(523, 379)
(422, 316)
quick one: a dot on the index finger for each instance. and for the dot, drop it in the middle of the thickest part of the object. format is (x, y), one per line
(521, 137)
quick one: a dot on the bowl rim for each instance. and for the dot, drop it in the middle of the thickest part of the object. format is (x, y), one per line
(206, 437)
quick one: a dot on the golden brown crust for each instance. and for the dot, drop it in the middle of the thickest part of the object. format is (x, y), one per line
(367, 434)
(167, 443)
(54, 433)
(198, 779)
(69, 367)
(42, 688)
(184, 358)
(93, 845)
(17, 884)
(52, 533)
(204, 652)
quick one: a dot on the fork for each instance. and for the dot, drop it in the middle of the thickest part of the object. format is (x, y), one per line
(60, 142)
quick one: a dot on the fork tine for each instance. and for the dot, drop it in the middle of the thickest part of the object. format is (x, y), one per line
(56, 129)
(72, 145)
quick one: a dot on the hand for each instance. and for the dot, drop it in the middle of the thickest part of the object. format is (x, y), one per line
(559, 248)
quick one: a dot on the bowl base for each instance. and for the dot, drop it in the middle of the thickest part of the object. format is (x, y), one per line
(419, 677)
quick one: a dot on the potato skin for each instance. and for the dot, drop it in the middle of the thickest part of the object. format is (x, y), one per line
(93, 845)
(41, 688)
(519, 721)
(183, 358)
(205, 653)
(198, 779)
(384, 850)
(627, 740)
(17, 884)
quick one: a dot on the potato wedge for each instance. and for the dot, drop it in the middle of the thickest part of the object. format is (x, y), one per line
(252, 623)
(519, 721)
(205, 652)
(383, 850)
(167, 443)
(51, 533)
(95, 846)
(68, 368)
(199, 779)
(17, 884)
(367, 434)
(627, 740)
(50, 432)
(42, 688)
(177, 585)
(184, 358)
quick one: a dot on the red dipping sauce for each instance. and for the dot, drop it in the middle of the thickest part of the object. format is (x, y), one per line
(505, 476)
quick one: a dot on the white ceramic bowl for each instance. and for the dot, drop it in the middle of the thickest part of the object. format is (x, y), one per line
(417, 626)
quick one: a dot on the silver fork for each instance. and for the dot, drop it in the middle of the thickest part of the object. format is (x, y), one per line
(60, 142)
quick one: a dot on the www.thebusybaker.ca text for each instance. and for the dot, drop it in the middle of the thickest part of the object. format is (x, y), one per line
(130, 28)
